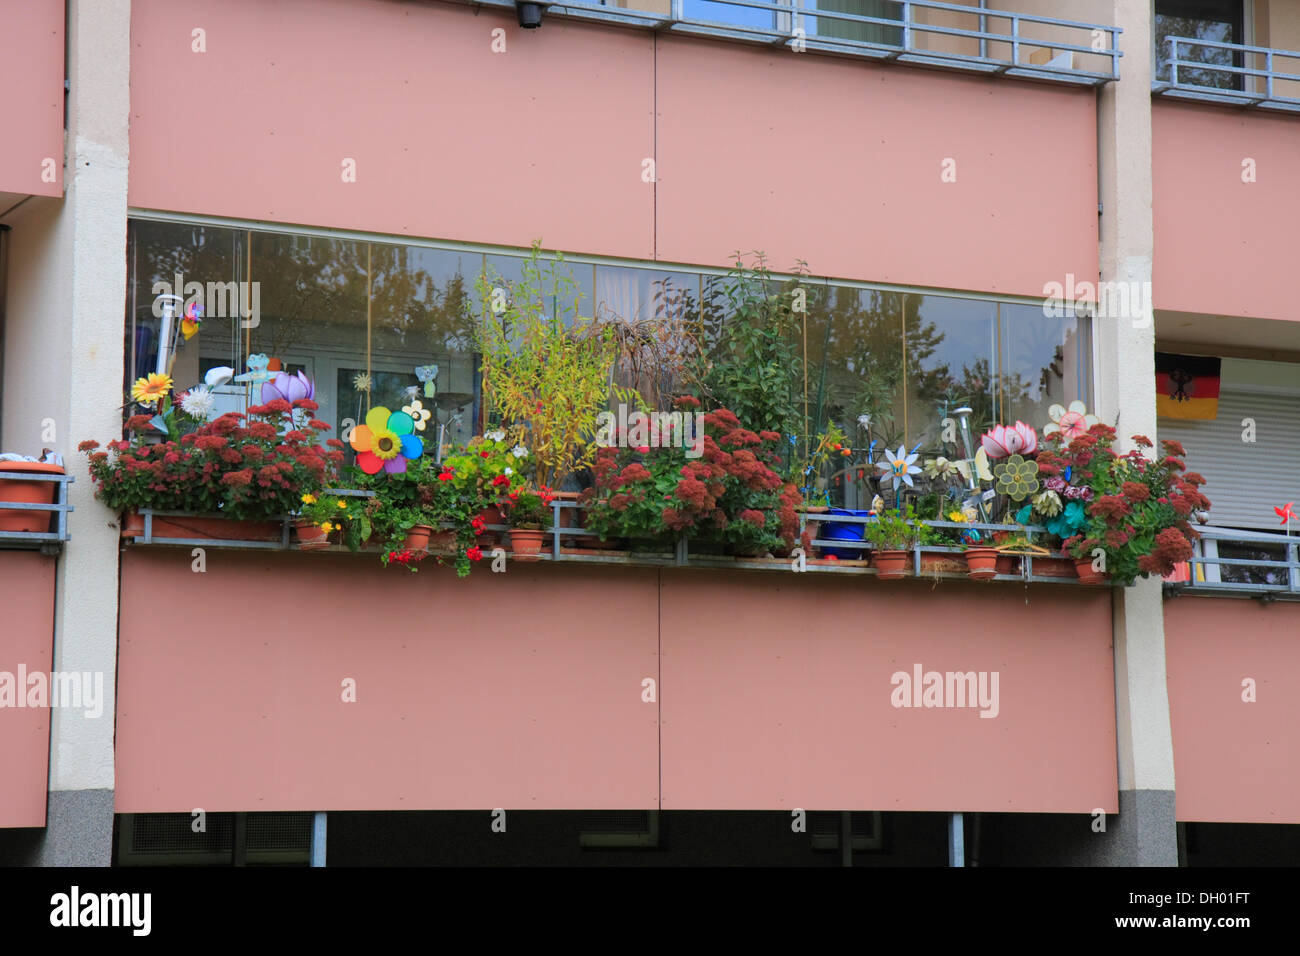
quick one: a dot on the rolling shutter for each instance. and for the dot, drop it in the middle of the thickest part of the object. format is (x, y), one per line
(1244, 481)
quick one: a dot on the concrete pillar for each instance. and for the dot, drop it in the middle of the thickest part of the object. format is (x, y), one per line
(1145, 834)
(63, 362)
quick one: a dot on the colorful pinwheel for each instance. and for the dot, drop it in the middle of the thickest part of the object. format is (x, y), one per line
(386, 441)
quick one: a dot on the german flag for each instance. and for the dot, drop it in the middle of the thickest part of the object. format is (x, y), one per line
(1187, 386)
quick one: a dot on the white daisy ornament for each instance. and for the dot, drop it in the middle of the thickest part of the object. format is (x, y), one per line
(898, 467)
(419, 414)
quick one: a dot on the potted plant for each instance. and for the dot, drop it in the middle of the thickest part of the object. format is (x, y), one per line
(1137, 510)
(15, 487)
(528, 513)
(547, 370)
(728, 499)
(892, 536)
(235, 478)
(323, 516)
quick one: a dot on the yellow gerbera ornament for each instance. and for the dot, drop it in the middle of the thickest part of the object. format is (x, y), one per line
(152, 388)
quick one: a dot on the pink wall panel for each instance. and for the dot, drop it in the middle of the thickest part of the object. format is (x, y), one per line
(450, 139)
(779, 696)
(27, 640)
(496, 691)
(1234, 762)
(31, 96)
(838, 163)
(1223, 246)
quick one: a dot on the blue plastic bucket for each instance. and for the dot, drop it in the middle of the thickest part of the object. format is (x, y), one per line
(843, 531)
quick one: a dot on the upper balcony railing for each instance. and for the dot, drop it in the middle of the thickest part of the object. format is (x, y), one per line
(1199, 70)
(924, 32)
(1243, 564)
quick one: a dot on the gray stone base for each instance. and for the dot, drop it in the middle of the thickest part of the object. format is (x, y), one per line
(1143, 833)
(78, 832)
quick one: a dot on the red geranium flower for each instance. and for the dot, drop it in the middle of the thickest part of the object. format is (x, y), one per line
(475, 553)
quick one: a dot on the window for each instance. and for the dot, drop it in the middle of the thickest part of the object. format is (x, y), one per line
(361, 317)
(227, 839)
(1221, 21)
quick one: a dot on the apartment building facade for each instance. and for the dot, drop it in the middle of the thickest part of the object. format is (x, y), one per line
(940, 165)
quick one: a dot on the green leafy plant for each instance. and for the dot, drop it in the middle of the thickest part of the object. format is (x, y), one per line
(345, 514)
(547, 370)
(529, 509)
(894, 530)
(755, 365)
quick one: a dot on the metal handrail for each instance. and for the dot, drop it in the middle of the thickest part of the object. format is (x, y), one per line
(43, 539)
(1205, 567)
(789, 21)
(1268, 98)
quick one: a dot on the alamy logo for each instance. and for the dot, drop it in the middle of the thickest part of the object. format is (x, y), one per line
(221, 300)
(68, 689)
(646, 430)
(1115, 300)
(75, 908)
(946, 689)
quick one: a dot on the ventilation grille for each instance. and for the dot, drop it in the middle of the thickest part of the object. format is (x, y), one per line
(279, 833)
(172, 834)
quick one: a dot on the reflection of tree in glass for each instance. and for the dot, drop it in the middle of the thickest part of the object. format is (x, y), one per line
(408, 301)
(656, 353)
(1168, 26)
(856, 346)
(309, 282)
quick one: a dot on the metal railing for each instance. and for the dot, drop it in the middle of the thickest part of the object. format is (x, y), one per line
(1184, 72)
(567, 541)
(797, 26)
(1259, 575)
(45, 540)
(286, 527)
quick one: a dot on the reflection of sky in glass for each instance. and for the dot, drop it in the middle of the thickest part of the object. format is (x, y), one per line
(728, 13)
(967, 327)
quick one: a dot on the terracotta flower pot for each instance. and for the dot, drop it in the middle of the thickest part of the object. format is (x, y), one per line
(490, 515)
(310, 536)
(891, 565)
(28, 492)
(417, 539)
(133, 525)
(526, 543)
(1083, 568)
(982, 563)
(1008, 563)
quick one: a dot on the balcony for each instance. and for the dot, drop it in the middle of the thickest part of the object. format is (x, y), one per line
(1243, 564)
(19, 520)
(923, 33)
(1211, 71)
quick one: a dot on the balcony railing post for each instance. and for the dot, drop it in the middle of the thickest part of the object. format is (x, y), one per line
(1292, 572)
(1268, 79)
(907, 25)
(1015, 40)
(1173, 61)
(677, 9)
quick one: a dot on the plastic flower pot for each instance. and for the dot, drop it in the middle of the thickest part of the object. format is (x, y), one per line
(215, 529)
(982, 563)
(526, 543)
(310, 536)
(942, 562)
(28, 492)
(841, 531)
(1055, 566)
(1008, 563)
(417, 539)
(1083, 568)
(891, 565)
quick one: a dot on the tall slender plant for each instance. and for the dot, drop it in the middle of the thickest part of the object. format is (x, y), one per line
(547, 370)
